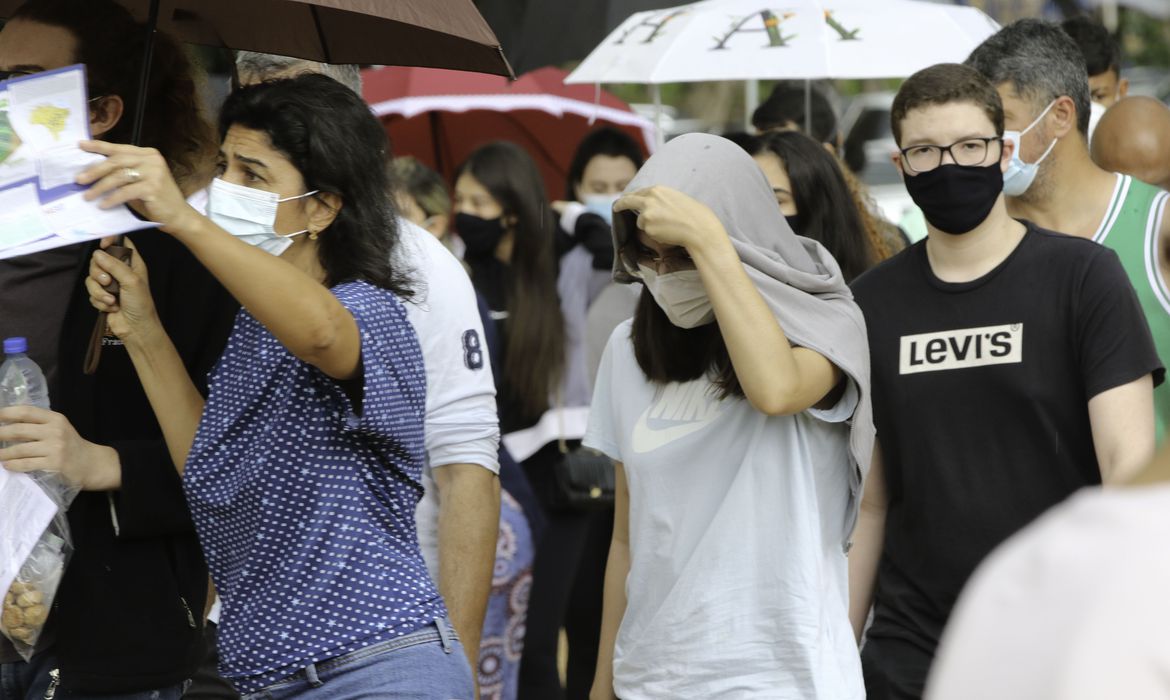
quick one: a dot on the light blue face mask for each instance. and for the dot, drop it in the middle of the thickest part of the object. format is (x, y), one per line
(250, 214)
(1019, 175)
(601, 204)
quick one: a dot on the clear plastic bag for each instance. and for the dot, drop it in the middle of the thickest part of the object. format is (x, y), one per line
(27, 601)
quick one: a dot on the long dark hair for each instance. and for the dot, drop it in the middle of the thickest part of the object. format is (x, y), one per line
(111, 45)
(330, 136)
(535, 332)
(827, 209)
(667, 353)
(603, 141)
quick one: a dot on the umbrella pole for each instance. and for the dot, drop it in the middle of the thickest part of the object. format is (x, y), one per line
(751, 100)
(436, 141)
(656, 93)
(144, 73)
(808, 130)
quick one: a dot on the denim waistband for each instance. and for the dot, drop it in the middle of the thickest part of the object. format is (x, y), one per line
(440, 631)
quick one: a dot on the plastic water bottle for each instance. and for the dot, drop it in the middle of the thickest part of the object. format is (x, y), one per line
(22, 383)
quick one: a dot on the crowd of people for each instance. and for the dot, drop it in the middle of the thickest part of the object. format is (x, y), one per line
(306, 460)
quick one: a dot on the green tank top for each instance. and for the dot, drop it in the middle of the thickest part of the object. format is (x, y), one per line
(1130, 228)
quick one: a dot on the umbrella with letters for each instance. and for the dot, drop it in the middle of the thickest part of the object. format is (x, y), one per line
(785, 39)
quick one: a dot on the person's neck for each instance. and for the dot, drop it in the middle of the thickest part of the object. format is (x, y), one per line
(302, 254)
(1073, 198)
(969, 256)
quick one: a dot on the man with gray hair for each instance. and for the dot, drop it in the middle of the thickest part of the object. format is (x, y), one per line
(1041, 76)
(253, 67)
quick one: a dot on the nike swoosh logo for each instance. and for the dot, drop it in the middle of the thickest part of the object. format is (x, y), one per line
(647, 439)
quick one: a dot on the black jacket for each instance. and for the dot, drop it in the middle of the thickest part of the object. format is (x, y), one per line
(129, 613)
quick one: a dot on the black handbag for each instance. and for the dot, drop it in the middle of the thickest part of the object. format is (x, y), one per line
(584, 479)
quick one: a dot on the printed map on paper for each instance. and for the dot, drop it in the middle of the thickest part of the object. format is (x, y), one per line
(42, 118)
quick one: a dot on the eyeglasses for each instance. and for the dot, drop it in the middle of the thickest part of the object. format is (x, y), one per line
(972, 151)
(672, 262)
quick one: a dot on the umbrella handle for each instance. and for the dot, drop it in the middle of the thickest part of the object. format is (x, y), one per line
(93, 354)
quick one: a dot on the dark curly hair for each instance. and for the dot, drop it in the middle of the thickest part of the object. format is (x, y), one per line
(111, 44)
(329, 135)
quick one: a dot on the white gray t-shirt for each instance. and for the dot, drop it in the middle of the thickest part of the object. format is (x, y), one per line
(738, 582)
(462, 426)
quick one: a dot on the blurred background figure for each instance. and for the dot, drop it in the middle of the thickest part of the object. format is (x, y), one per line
(1071, 608)
(422, 197)
(815, 199)
(785, 110)
(1134, 138)
(1102, 59)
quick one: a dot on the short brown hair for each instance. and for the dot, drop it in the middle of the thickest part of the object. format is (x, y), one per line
(942, 84)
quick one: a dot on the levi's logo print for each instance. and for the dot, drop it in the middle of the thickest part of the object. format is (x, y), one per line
(678, 410)
(960, 349)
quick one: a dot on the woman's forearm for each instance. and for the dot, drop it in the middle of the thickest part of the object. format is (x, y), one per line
(776, 378)
(300, 311)
(177, 404)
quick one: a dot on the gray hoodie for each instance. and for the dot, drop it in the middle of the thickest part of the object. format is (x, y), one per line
(798, 278)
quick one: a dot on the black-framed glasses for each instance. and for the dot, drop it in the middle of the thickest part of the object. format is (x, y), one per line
(971, 151)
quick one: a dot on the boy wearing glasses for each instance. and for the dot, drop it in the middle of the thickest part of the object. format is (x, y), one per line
(1011, 365)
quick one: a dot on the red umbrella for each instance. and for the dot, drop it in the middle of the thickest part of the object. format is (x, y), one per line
(441, 116)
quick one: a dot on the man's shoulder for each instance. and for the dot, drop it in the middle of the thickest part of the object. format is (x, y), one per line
(886, 275)
(1060, 252)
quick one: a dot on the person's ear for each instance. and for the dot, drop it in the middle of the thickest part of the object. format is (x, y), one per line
(1062, 117)
(1005, 154)
(510, 221)
(104, 114)
(438, 225)
(896, 159)
(830, 148)
(322, 209)
(1122, 87)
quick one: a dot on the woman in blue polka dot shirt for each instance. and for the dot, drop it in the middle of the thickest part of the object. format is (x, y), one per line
(303, 465)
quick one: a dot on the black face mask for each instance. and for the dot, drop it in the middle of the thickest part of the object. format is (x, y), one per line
(956, 198)
(794, 223)
(481, 236)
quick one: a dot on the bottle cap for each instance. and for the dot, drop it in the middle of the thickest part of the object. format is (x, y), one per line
(15, 345)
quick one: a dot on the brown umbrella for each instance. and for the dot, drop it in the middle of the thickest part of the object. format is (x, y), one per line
(432, 33)
(428, 33)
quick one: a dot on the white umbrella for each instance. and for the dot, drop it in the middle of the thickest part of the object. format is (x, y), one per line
(801, 39)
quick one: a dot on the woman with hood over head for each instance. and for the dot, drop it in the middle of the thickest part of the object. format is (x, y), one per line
(736, 403)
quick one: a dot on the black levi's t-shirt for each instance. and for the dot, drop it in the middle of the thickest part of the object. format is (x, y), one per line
(980, 393)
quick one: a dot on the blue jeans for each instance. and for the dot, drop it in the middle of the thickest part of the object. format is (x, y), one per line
(33, 680)
(426, 665)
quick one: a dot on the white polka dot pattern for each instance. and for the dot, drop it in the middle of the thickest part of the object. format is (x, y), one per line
(306, 510)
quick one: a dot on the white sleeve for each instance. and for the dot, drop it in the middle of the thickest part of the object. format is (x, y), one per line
(602, 433)
(462, 426)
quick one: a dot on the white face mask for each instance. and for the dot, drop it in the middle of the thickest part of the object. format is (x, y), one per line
(249, 214)
(681, 295)
(1019, 175)
(601, 204)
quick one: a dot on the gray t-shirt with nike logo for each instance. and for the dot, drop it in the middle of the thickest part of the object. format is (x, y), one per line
(738, 581)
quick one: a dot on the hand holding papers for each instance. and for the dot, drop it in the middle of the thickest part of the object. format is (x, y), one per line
(42, 118)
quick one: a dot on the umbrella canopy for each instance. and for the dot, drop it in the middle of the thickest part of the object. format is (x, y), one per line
(441, 116)
(439, 33)
(798, 39)
(552, 32)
